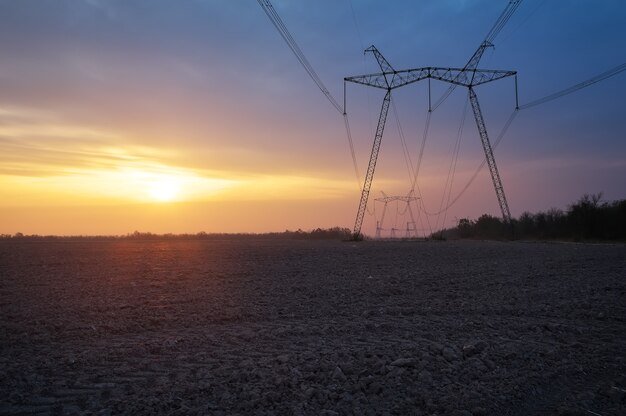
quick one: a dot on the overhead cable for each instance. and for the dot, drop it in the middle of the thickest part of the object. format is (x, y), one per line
(477, 171)
(291, 43)
(405, 149)
(491, 35)
(452, 169)
(421, 154)
(502, 20)
(280, 26)
(356, 166)
(574, 88)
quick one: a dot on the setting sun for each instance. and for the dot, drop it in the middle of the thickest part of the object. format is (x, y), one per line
(161, 183)
(164, 190)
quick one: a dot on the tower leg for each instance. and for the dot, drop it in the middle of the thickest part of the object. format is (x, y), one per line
(356, 234)
(491, 160)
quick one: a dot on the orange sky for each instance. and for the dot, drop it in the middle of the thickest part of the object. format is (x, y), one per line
(65, 179)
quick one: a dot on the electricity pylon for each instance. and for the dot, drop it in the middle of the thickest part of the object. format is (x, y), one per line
(403, 198)
(468, 76)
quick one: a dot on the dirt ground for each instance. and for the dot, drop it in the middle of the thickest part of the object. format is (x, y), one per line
(312, 328)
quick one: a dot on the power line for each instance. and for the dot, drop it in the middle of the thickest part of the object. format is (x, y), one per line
(405, 149)
(487, 42)
(452, 169)
(525, 20)
(421, 153)
(502, 20)
(477, 171)
(350, 142)
(607, 74)
(291, 43)
(280, 26)
(358, 31)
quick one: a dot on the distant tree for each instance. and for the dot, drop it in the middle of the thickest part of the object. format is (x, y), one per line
(584, 216)
(465, 228)
(526, 225)
(488, 226)
(588, 218)
(555, 223)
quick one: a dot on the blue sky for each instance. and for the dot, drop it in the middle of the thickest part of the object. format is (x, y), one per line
(210, 87)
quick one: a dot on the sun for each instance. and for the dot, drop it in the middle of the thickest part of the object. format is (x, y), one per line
(155, 183)
(164, 190)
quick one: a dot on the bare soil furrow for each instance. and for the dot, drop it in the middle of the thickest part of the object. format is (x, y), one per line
(309, 328)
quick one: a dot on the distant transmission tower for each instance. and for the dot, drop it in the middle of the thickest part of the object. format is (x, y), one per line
(411, 226)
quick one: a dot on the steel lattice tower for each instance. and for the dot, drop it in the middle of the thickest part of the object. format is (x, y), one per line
(468, 76)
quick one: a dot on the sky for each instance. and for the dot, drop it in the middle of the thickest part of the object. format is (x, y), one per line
(188, 116)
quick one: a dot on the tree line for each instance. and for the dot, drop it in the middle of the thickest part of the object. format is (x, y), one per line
(589, 218)
(333, 233)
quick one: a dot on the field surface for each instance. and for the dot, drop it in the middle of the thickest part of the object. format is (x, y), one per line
(312, 328)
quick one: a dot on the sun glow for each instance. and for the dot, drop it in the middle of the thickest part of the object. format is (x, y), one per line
(105, 176)
(164, 190)
(169, 184)
(159, 186)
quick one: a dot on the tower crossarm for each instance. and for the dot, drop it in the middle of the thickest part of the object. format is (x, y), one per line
(456, 76)
(397, 78)
(376, 80)
(468, 78)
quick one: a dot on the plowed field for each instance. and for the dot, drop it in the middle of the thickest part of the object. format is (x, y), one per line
(310, 328)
